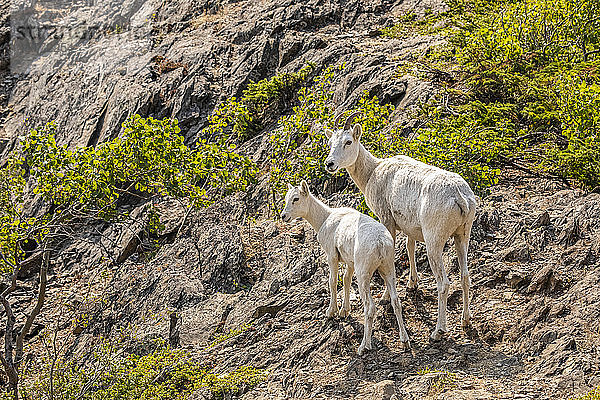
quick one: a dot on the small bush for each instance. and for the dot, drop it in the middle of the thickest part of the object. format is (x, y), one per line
(443, 381)
(299, 145)
(579, 102)
(246, 116)
(524, 87)
(112, 374)
(85, 184)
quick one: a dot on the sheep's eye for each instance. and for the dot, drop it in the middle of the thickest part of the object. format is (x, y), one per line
(348, 143)
(295, 199)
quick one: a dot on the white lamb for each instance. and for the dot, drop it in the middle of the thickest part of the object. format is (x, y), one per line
(425, 202)
(362, 243)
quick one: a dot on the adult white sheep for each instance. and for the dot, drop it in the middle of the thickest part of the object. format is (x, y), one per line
(356, 239)
(427, 203)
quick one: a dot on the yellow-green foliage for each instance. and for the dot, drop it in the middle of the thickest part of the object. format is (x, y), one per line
(231, 333)
(578, 111)
(247, 115)
(594, 394)
(410, 24)
(12, 226)
(443, 381)
(299, 145)
(150, 157)
(528, 70)
(111, 374)
(148, 160)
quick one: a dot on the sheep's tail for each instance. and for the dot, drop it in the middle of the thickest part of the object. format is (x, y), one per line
(466, 206)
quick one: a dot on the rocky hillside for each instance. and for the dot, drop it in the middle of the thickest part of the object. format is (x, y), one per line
(235, 272)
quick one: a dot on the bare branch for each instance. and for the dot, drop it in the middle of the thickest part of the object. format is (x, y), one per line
(36, 310)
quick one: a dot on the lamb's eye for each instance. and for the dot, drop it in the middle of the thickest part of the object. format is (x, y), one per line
(295, 200)
(348, 143)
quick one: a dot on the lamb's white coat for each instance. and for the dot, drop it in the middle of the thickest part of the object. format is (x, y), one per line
(364, 244)
(427, 203)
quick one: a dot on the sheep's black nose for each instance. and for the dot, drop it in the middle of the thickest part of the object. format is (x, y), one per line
(329, 164)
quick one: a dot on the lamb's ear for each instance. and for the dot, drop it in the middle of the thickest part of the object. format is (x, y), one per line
(304, 188)
(357, 131)
(289, 186)
(328, 133)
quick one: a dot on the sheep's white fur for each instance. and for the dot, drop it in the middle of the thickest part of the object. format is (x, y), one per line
(427, 203)
(356, 239)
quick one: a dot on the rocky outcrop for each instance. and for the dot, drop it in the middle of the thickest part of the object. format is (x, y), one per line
(211, 50)
(7, 80)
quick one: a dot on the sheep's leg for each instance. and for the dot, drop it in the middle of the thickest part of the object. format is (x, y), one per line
(435, 248)
(369, 309)
(413, 279)
(461, 242)
(332, 311)
(345, 311)
(390, 225)
(388, 273)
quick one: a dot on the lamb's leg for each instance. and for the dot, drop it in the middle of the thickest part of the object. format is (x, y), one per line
(435, 248)
(413, 279)
(387, 271)
(345, 311)
(364, 289)
(332, 311)
(390, 225)
(461, 242)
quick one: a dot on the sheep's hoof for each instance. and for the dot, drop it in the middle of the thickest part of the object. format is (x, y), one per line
(331, 312)
(386, 295)
(362, 347)
(466, 323)
(437, 335)
(344, 313)
(412, 285)
(405, 346)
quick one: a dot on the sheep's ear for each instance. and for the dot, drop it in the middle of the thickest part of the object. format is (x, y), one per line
(289, 186)
(357, 132)
(304, 188)
(328, 133)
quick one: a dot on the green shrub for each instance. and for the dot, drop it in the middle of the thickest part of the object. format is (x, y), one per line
(469, 143)
(246, 116)
(113, 374)
(299, 146)
(149, 160)
(578, 105)
(443, 381)
(519, 66)
(12, 226)
(532, 32)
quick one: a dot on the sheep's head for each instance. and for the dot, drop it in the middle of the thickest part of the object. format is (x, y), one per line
(343, 145)
(296, 202)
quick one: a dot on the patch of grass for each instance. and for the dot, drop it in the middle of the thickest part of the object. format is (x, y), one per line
(442, 381)
(410, 24)
(593, 394)
(232, 333)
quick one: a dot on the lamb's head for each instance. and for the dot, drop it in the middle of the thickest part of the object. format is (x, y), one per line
(343, 145)
(296, 202)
